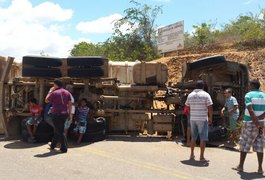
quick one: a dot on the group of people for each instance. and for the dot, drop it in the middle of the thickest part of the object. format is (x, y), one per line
(199, 107)
(59, 115)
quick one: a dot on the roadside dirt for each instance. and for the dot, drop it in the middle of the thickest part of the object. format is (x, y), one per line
(253, 59)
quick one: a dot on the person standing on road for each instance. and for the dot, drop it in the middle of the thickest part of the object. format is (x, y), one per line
(231, 111)
(68, 122)
(253, 124)
(61, 109)
(201, 111)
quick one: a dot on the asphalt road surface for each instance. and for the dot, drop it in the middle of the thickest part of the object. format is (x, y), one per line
(120, 158)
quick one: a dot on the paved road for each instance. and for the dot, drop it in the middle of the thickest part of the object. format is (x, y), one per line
(120, 158)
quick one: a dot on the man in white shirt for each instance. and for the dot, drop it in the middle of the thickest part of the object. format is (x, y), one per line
(199, 103)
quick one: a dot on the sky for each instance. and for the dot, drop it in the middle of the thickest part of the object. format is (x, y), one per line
(34, 27)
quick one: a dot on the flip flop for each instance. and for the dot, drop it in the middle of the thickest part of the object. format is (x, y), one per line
(192, 157)
(238, 169)
(204, 160)
(260, 171)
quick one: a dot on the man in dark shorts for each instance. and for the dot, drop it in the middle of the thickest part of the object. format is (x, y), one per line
(60, 100)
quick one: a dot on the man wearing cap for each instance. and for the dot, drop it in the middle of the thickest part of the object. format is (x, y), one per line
(60, 111)
(199, 103)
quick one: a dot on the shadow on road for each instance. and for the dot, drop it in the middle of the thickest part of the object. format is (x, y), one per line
(22, 145)
(195, 163)
(251, 175)
(48, 154)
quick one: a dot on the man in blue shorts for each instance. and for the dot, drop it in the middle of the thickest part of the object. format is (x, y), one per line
(253, 125)
(200, 104)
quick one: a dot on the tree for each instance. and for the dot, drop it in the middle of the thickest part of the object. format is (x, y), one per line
(247, 27)
(139, 39)
(203, 34)
(87, 49)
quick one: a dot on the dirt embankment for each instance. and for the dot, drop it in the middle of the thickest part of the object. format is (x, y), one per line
(255, 60)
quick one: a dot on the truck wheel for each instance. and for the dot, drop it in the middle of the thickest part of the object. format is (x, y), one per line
(24, 135)
(99, 124)
(41, 61)
(87, 72)
(41, 72)
(85, 61)
(94, 136)
(208, 61)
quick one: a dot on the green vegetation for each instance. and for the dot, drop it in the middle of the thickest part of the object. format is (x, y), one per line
(245, 30)
(138, 41)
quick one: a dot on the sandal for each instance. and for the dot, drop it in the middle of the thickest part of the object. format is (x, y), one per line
(204, 160)
(260, 171)
(238, 169)
(192, 157)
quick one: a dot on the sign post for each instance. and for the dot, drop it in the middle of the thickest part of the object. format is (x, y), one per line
(171, 37)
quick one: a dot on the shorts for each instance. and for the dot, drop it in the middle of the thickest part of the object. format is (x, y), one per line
(81, 127)
(199, 128)
(29, 121)
(250, 137)
(233, 121)
(67, 124)
(188, 121)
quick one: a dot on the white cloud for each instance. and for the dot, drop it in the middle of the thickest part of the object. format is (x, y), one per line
(250, 2)
(28, 30)
(161, 0)
(101, 25)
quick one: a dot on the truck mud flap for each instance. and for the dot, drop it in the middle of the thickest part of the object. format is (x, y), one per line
(85, 61)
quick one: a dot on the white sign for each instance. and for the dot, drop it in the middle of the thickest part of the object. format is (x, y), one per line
(171, 37)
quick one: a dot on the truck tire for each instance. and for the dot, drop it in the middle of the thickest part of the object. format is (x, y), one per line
(41, 72)
(85, 61)
(208, 61)
(44, 132)
(96, 131)
(98, 124)
(87, 72)
(41, 61)
(94, 136)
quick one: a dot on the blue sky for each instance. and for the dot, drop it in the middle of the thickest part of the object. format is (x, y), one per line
(53, 27)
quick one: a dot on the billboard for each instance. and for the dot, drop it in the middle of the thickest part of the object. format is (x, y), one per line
(171, 37)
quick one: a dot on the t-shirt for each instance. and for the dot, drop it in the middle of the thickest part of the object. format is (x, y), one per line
(73, 106)
(82, 113)
(256, 99)
(198, 101)
(59, 99)
(230, 103)
(36, 110)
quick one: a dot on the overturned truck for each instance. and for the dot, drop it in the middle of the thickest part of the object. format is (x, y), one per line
(126, 94)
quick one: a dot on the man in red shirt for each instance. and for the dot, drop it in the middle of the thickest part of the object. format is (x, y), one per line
(60, 111)
(33, 122)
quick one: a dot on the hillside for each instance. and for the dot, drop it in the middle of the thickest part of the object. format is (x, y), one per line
(255, 60)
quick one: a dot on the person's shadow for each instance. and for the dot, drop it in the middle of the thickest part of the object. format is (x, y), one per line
(195, 163)
(251, 175)
(48, 154)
